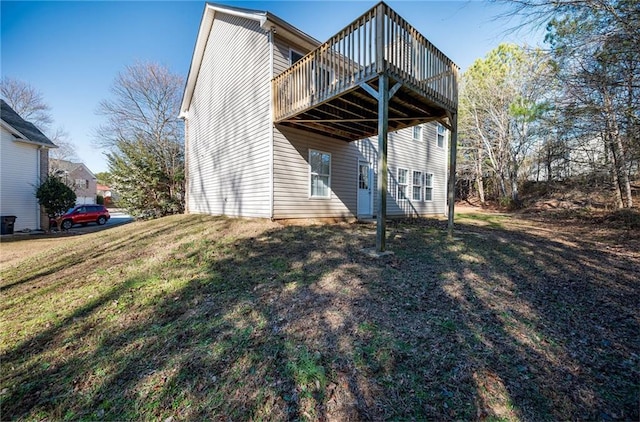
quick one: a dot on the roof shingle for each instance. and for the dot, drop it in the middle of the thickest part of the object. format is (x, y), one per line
(27, 129)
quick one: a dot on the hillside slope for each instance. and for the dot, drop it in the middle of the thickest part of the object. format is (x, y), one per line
(198, 317)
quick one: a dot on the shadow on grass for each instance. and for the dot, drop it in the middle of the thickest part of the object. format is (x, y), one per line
(295, 323)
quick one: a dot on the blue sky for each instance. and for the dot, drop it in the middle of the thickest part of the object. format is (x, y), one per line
(72, 51)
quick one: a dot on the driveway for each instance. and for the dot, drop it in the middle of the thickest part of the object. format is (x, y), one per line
(118, 217)
(11, 244)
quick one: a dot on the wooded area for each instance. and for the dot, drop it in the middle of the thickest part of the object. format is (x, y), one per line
(569, 112)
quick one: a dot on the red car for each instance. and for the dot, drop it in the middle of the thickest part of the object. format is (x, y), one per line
(83, 214)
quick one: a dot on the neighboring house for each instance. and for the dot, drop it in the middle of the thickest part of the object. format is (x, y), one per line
(78, 177)
(279, 125)
(108, 194)
(24, 160)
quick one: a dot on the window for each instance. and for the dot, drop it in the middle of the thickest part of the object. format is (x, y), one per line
(363, 177)
(82, 183)
(417, 133)
(323, 78)
(319, 174)
(402, 184)
(416, 191)
(428, 187)
(294, 56)
(442, 133)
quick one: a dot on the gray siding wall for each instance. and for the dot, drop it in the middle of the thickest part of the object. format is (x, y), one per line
(413, 155)
(291, 176)
(228, 145)
(19, 178)
(291, 183)
(281, 54)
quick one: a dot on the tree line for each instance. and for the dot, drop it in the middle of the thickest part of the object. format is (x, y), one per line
(572, 109)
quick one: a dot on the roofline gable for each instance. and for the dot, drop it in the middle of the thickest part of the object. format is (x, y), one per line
(61, 163)
(20, 137)
(268, 22)
(23, 130)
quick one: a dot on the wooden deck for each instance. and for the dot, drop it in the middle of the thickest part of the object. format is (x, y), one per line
(328, 90)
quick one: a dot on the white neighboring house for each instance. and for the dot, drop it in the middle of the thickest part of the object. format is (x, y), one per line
(78, 177)
(321, 159)
(24, 159)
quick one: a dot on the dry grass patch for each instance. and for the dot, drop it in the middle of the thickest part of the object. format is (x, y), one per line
(197, 317)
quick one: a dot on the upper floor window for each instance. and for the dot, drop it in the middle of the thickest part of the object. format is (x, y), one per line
(319, 174)
(442, 133)
(294, 56)
(417, 133)
(82, 183)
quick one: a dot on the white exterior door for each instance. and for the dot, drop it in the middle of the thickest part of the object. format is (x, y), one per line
(365, 195)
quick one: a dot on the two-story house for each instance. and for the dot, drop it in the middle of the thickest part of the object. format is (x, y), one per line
(279, 125)
(78, 177)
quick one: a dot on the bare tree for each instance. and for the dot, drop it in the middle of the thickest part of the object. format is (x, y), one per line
(145, 138)
(66, 149)
(29, 103)
(503, 97)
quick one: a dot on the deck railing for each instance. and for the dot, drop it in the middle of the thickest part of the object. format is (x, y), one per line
(380, 41)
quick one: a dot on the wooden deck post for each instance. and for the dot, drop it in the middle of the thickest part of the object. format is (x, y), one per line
(383, 129)
(453, 118)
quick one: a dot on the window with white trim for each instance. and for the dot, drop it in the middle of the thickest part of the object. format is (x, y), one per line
(294, 56)
(428, 187)
(416, 187)
(319, 174)
(417, 133)
(402, 184)
(441, 136)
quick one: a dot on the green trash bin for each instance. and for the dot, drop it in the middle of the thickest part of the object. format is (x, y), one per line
(7, 223)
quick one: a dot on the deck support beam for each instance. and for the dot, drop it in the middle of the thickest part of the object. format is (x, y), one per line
(383, 94)
(383, 131)
(453, 146)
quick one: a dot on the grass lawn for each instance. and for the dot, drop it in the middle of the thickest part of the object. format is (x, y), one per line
(198, 317)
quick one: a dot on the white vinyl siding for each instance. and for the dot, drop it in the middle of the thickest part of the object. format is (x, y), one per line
(19, 179)
(228, 145)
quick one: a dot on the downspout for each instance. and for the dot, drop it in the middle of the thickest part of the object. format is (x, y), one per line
(272, 30)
